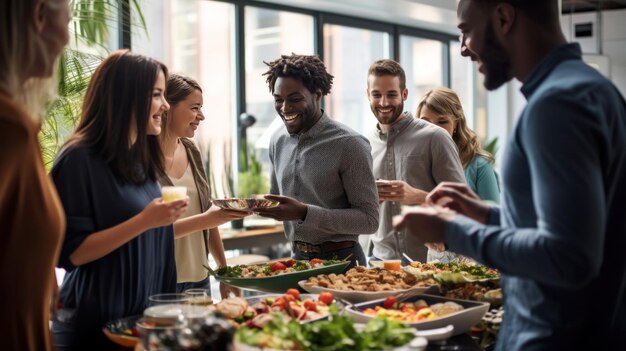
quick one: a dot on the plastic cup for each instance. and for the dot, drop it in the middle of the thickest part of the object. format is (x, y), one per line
(173, 193)
(392, 265)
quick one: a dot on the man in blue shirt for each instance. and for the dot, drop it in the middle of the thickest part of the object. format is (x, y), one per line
(560, 237)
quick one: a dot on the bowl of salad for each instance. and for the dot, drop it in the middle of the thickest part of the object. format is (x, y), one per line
(339, 332)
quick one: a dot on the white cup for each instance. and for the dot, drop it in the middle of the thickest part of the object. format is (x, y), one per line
(173, 193)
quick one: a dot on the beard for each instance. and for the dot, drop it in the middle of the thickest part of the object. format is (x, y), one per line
(397, 112)
(497, 64)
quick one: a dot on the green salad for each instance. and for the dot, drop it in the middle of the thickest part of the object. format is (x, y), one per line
(271, 268)
(335, 334)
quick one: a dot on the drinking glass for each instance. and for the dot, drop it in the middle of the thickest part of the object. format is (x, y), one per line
(173, 193)
(162, 299)
(199, 297)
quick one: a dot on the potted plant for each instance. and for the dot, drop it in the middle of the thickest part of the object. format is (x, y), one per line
(251, 182)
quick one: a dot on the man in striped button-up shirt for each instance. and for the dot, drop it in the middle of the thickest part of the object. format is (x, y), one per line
(321, 169)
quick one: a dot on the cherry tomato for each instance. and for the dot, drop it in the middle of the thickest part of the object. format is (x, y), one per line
(315, 261)
(326, 297)
(389, 302)
(289, 297)
(294, 292)
(278, 266)
(310, 305)
(280, 303)
(289, 263)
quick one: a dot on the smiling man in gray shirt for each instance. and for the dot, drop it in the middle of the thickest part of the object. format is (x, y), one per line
(321, 170)
(411, 157)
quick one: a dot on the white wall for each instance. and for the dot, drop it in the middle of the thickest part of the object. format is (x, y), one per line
(614, 45)
(609, 41)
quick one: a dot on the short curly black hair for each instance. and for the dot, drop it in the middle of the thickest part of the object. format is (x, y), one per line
(309, 69)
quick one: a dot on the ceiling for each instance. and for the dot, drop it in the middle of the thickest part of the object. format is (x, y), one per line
(573, 6)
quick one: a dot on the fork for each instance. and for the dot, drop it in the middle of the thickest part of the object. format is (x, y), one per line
(405, 295)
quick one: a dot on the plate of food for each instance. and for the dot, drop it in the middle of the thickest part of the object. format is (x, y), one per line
(361, 284)
(476, 291)
(423, 312)
(244, 204)
(123, 331)
(453, 272)
(339, 332)
(276, 276)
(256, 311)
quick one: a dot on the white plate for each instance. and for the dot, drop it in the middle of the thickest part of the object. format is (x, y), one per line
(463, 320)
(358, 296)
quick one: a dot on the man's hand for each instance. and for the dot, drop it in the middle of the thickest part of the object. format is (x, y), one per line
(428, 224)
(461, 199)
(399, 191)
(288, 209)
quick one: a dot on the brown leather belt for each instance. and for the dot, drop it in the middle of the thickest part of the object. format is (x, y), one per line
(323, 247)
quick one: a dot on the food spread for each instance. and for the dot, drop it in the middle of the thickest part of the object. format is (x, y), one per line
(272, 268)
(412, 311)
(291, 304)
(369, 279)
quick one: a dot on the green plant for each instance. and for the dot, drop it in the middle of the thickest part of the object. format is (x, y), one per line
(91, 24)
(253, 182)
(491, 146)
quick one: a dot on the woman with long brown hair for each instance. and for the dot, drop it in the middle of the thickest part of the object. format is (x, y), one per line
(119, 243)
(32, 35)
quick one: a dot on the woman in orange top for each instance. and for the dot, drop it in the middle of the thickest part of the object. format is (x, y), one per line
(32, 35)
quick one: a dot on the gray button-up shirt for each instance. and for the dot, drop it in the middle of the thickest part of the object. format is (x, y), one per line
(329, 168)
(421, 154)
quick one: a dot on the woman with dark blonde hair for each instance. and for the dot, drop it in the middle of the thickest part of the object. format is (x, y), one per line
(32, 35)
(119, 243)
(441, 106)
(196, 231)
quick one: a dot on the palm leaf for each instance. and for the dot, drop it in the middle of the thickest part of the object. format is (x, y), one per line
(92, 21)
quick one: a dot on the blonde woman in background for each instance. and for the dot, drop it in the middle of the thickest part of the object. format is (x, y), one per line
(196, 232)
(442, 107)
(32, 35)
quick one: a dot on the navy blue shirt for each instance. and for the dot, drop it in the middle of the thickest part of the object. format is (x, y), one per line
(560, 237)
(118, 284)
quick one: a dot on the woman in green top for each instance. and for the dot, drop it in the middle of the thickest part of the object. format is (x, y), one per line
(441, 106)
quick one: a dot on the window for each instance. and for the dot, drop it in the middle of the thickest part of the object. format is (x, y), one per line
(201, 46)
(269, 34)
(422, 60)
(349, 52)
(467, 82)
